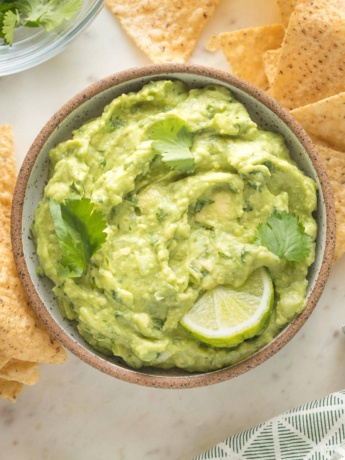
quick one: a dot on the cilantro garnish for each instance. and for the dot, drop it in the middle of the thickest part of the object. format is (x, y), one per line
(172, 139)
(284, 236)
(80, 231)
(48, 14)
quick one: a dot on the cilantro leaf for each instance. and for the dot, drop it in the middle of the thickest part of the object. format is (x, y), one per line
(172, 139)
(284, 236)
(48, 14)
(10, 21)
(80, 231)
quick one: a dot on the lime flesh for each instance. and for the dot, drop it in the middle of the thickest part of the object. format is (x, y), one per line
(226, 316)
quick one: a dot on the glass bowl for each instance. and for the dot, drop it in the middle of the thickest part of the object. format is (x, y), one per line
(32, 46)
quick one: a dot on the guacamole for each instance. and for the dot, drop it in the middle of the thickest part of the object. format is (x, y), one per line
(180, 180)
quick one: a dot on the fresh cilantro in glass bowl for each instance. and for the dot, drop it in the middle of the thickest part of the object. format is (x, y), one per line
(33, 31)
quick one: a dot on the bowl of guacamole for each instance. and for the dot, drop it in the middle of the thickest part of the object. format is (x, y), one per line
(176, 226)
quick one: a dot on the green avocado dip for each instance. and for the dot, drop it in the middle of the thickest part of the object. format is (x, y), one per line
(159, 200)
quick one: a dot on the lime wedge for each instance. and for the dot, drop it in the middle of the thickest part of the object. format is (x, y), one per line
(226, 316)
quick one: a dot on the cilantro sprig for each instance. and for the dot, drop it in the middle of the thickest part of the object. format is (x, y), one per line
(284, 235)
(172, 140)
(80, 230)
(48, 14)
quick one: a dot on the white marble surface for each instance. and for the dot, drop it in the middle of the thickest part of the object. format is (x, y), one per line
(78, 413)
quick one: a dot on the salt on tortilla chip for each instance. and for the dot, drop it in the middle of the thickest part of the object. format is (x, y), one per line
(10, 390)
(334, 162)
(325, 119)
(22, 336)
(244, 49)
(312, 62)
(270, 60)
(166, 30)
(20, 371)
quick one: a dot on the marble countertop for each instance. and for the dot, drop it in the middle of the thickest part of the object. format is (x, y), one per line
(76, 412)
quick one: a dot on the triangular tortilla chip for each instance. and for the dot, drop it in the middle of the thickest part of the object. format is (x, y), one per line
(334, 162)
(10, 390)
(312, 62)
(166, 30)
(20, 371)
(22, 336)
(244, 49)
(325, 119)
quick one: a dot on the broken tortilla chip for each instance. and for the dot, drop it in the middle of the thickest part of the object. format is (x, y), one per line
(20, 371)
(166, 30)
(22, 336)
(325, 119)
(312, 62)
(244, 49)
(334, 162)
(10, 390)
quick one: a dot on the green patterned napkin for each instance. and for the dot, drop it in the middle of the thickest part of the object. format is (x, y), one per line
(314, 431)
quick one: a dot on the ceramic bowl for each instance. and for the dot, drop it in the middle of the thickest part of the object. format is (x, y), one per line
(90, 103)
(33, 46)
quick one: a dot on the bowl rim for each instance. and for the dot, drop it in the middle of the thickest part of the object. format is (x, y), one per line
(190, 380)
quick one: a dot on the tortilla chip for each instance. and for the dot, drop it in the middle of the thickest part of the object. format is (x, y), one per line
(20, 371)
(244, 49)
(286, 7)
(3, 361)
(312, 62)
(10, 390)
(22, 336)
(270, 61)
(338, 4)
(334, 162)
(325, 119)
(8, 168)
(166, 30)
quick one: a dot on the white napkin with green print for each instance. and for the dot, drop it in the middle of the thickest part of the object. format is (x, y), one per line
(314, 431)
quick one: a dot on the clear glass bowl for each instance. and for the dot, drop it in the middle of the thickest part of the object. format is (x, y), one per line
(32, 46)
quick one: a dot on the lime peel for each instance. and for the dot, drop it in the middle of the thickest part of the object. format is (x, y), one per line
(226, 316)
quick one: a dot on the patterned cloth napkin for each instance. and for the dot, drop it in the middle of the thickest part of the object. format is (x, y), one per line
(314, 431)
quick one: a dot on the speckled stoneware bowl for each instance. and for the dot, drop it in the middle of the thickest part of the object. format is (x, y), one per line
(90, 103)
